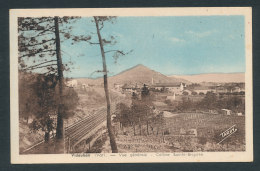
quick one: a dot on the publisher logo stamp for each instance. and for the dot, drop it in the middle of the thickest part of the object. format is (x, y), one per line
(224, 135)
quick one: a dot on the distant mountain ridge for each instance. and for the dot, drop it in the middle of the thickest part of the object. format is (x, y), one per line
(213, 77)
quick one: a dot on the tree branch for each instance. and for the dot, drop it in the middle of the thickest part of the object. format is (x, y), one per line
(40, 67)
(39, 64)
(53, 72)
(119, 51)
(41, 19)
(41, 33)
(31, 29)
(39, 43)
(36, 53)
(102, 26)
(98, 71)
(93, 43)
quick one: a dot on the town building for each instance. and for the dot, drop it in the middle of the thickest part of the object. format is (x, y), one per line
(130, 89)
(72, 83)
(203, 89)
(84, 86)
(221, 89)
(176, 88)
(118, 87)
(171, 98)
(236, 90)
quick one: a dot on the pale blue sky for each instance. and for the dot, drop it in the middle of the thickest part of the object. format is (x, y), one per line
(170, 45)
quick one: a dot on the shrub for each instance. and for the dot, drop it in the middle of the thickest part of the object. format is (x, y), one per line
(167, 132)
(185, 93)
(202, 140)
(242, 93)
(194, 93)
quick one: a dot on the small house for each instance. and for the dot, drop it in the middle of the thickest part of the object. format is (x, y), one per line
(239, 114)
(189, 132)
(226, 111)
(192, 132)
(171, 98)
(182, 131)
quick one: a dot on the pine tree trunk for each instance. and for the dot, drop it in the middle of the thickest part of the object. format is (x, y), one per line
(109, 124)
(147, 127)
(152, 129)
(140, 126)
(59, 129)
(47, 136)
(134, 128)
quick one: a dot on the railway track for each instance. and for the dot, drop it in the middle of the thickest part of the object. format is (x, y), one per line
(78, 131)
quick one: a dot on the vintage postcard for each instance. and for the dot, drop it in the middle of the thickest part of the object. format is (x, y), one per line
(131, 85)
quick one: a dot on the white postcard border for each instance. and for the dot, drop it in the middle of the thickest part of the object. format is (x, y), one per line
(16, 158)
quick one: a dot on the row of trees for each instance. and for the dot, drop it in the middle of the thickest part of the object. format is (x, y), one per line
(201, 93)
(141, 112)
(40, 52)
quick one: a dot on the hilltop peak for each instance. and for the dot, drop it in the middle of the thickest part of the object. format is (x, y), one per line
(136, 67)
(139, 65)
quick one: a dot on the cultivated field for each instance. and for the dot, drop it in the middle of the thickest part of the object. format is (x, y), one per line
(208, 128)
